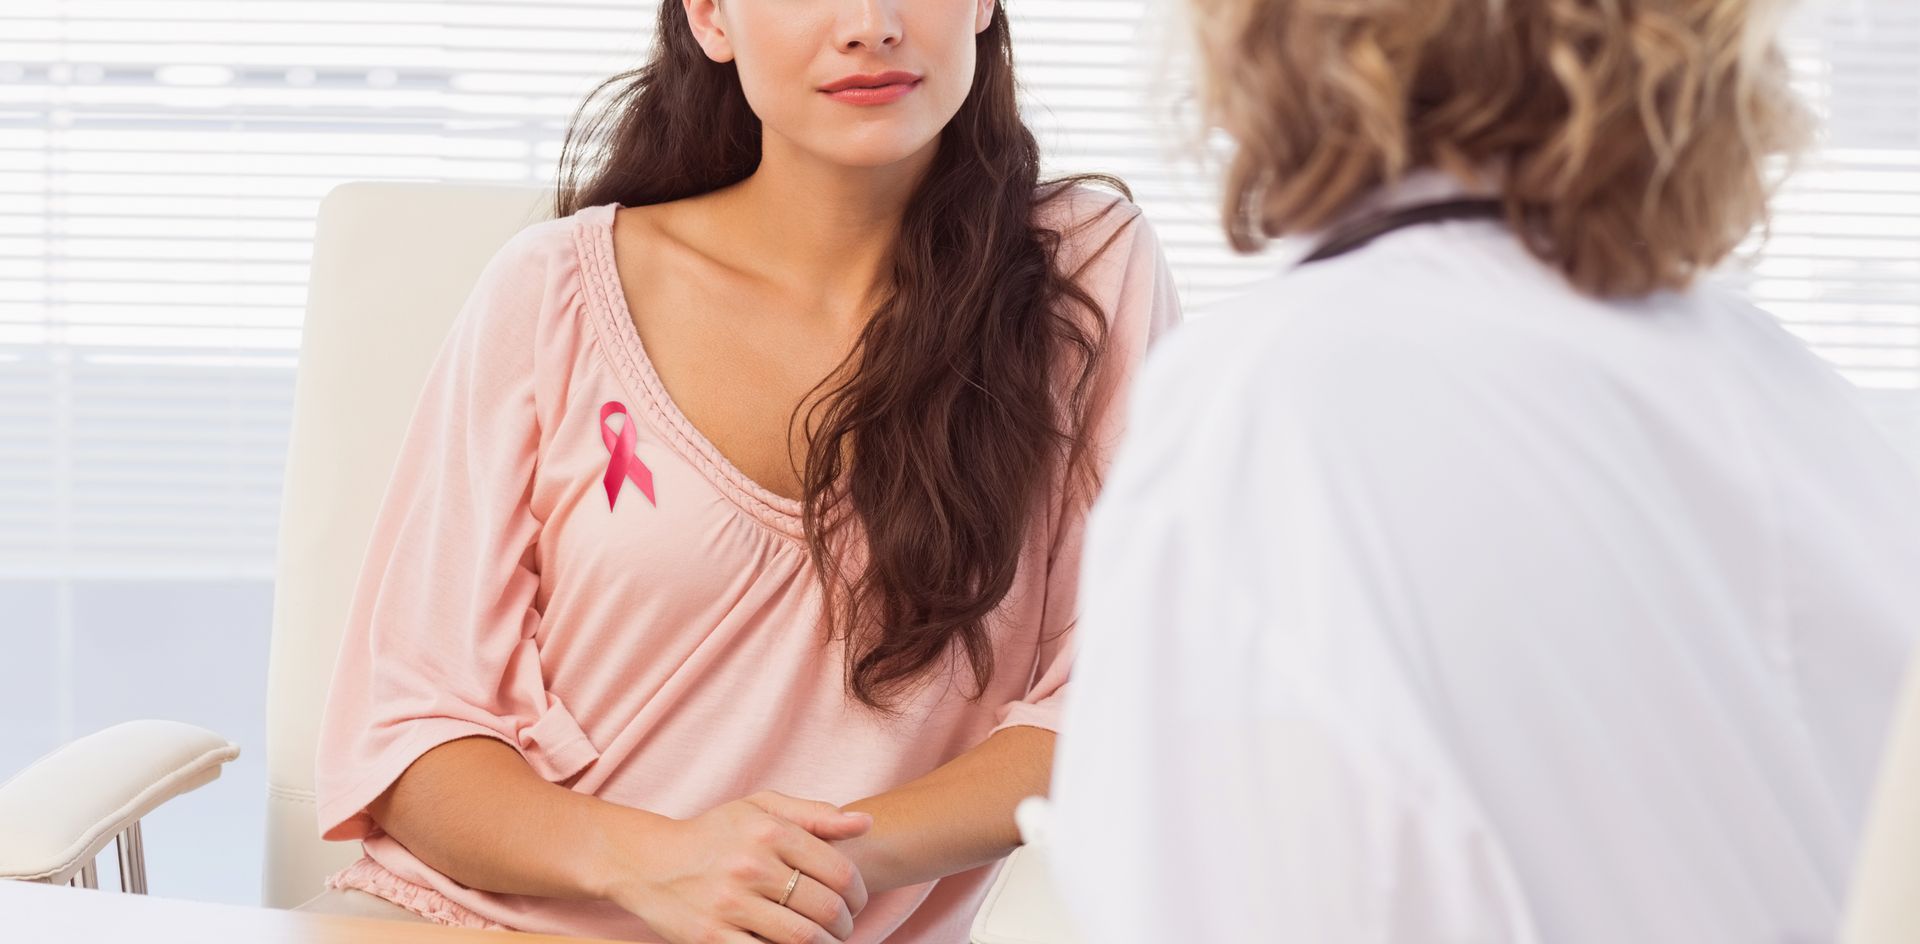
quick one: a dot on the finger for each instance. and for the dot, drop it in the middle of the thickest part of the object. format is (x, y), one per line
(817, 817)
(762, 917)
(722, 930)
(821, 862)
(815, 902)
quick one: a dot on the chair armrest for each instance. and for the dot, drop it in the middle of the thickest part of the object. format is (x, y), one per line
(64, 808)
(1021, 906)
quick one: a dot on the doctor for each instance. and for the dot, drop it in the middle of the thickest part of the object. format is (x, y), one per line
(1486, 575)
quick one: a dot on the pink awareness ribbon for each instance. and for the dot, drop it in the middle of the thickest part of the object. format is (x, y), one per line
(622, 462)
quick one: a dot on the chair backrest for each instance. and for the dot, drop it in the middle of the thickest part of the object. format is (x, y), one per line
(1884, 904)
(392, 264)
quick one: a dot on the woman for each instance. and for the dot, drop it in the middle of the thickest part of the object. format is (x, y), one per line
(1487, 576)
(723, 588)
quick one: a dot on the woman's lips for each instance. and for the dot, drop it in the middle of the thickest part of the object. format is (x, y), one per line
(877, 95)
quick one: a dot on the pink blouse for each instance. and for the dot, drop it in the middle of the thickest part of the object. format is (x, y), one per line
(659, 644)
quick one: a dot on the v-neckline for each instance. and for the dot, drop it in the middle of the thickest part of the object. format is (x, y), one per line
(622, 339)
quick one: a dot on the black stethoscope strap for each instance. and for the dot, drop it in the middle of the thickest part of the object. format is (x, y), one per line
(1346, 239)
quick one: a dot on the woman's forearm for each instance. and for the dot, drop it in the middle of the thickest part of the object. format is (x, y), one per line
(473, 810)
(957, 816)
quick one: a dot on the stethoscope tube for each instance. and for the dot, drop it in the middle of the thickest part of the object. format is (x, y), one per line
(1347, 239)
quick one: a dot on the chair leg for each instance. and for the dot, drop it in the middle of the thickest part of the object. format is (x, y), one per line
(133, 860)
(133, 864)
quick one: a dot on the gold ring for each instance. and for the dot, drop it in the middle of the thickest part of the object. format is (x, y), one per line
(792, 883)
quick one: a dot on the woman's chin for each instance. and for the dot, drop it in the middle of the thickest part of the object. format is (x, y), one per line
(866, 150)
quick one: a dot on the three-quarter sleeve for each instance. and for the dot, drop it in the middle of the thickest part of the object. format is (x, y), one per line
(1130, 279)
(440, 635)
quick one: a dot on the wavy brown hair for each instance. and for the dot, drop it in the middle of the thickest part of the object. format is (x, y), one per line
(1630, 138)
(964, 396)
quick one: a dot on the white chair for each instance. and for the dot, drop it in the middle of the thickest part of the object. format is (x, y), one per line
(1884, 905)
(392, 263)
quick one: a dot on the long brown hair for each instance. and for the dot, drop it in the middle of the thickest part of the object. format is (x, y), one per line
(950, 418)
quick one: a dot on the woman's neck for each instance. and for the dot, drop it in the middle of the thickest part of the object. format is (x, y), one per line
(823, 230)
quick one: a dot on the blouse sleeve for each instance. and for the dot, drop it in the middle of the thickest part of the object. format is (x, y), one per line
(439, 641)
(1135, 289)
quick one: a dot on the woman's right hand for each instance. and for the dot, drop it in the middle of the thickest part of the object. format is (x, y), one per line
(718, 877)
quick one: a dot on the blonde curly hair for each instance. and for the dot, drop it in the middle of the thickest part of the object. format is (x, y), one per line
(1630, 139)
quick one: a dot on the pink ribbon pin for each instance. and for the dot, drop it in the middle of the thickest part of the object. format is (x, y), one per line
(622, 462)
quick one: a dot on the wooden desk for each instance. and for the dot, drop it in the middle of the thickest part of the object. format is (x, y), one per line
(33, 913)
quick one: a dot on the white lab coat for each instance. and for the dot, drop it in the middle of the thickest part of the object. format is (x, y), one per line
(1431, 601)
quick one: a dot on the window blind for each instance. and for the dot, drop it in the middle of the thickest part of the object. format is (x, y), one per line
(1842, 268)
(161, 162)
